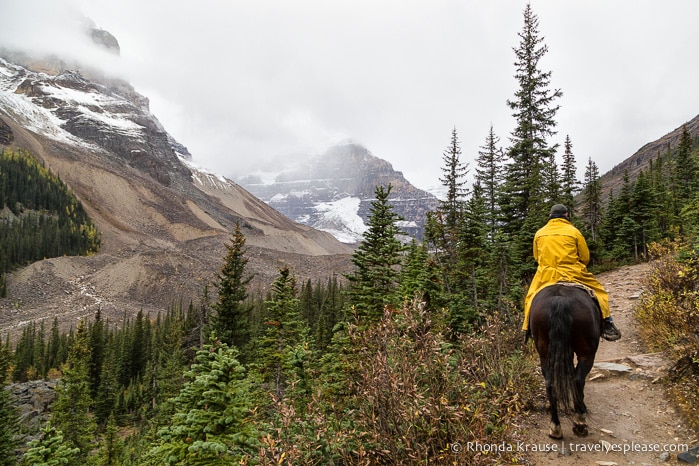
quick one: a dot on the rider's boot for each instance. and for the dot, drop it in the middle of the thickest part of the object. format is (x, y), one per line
(610, 333)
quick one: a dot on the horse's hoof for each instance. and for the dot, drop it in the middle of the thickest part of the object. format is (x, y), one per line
(555, 431)
(580, 429)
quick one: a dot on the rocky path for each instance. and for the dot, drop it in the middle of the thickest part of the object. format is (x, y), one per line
(630, 420)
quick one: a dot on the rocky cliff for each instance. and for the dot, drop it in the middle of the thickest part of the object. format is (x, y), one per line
(332, 191)
(163, 220)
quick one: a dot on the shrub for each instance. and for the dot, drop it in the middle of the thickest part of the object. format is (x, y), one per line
(414, 395)
(669, 316)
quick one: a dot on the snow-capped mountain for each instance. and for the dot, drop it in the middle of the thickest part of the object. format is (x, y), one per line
(163, 221)
(332, 191)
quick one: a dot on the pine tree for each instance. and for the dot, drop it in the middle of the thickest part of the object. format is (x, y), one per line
(443, 225)
(685, 170)
(569, 182)
(285, 333)
(645, 209)
(454, 173)
(211, 424)
(618, 228)
(530, 176)
(98, 342)
(473, 245)
(373, 284)
(9, 416)
(71, 410)
(111, 446)
(107, 392)
(165, 367)
(592, 200)
(419, 275)
(50, 449)
(489, 175)
(231, 322)
(666, 219)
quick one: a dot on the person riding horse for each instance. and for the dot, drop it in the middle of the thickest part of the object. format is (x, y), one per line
(562, 256)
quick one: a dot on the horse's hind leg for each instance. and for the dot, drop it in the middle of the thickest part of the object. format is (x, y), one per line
(555, 426)
(581, 371)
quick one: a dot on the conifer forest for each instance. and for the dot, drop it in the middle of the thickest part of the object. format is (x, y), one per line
(417, 348)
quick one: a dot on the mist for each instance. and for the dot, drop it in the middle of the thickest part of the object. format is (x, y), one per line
(240, 82)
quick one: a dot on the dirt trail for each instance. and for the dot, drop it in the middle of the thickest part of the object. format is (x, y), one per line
(624, 395)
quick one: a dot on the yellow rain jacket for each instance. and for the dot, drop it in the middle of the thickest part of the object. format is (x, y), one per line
(562, 254)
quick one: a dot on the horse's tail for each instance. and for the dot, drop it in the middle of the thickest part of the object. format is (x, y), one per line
(561, 368)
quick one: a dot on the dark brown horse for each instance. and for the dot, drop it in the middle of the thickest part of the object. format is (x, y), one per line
(565, 320)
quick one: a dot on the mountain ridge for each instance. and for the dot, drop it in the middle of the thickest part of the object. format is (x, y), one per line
(332, 191)
(163, 220)
(612, 180)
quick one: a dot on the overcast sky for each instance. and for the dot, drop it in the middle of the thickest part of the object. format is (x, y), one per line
(239, 81)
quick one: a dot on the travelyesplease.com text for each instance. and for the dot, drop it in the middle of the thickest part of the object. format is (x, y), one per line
(598, 447)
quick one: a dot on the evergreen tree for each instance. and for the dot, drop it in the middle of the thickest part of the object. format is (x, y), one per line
(685, 171)
(569, 182)
(211, 424)
(106, 395)
(645, 209)
(373, 284)
(111, 446)
(98, 342)
(231, 322)
(592, 200)
(71, 410)
(489, 175)
(166, 363)
(618, 228)
(50, 449)
(9, 416)
(666, 218)
(454, 173)
(285, 329)
(443, 225)
(530, 183)
(419, 275)
(469, 271)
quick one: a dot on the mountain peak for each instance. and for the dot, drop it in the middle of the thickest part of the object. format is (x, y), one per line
(164, 221)
(332, 191)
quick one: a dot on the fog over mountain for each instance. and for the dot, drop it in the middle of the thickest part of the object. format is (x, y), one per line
(237, 82)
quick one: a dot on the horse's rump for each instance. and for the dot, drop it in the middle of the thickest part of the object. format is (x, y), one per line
(565, 321)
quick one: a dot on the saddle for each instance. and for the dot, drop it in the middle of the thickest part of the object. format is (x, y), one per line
(585, 288)
(589, 290)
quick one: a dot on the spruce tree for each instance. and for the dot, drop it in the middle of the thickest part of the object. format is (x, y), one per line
(686, 169)
(111, 446)
(211, 424)
(569, 182)
(666, 219)
(473, 246)
(444, 224)
(530, 174)
(454, 174)
(71, 410)
(50, 449)
(9, 416)
(645, 210)
(373, 283)
(419, 276)
(618, 228)
(281, 356)
(231, 322)
(592, 200)
(489, 175)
